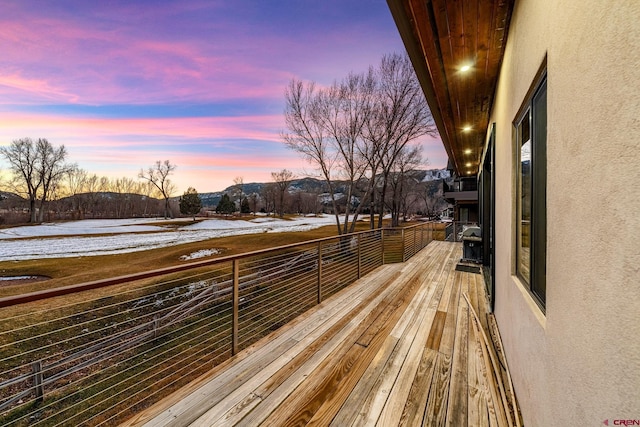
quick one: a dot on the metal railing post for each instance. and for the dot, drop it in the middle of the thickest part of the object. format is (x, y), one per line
(235, 303)
(414, 251)
(382, 244)
(359, 255)
(403, 258)
(319, 272)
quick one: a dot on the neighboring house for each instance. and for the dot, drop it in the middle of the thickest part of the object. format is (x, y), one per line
(539, 100)
(462, 193)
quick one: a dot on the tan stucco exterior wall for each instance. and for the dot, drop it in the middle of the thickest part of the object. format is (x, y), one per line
(578, 364)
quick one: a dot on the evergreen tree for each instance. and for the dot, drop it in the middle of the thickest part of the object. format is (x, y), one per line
(226, 206)
(244, 207)
(190, 203)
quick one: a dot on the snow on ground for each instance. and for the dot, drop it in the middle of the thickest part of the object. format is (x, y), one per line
(78, 238)
(200, 254)
(87, 226)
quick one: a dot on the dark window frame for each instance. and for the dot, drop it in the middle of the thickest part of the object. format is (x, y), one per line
(532, 119)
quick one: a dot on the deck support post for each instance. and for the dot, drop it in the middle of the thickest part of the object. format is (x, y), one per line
(236, 304)
(402, 235)
(38, 380)
(382, 244)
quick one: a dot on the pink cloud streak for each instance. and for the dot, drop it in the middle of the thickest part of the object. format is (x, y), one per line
(103, 59)
(228, 128)
(120, 147)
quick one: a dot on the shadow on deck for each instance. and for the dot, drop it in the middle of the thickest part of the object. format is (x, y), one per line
(400, 346)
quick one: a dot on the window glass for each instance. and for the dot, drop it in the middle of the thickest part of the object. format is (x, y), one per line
(539, 212)
(524, 178)
(531, 186)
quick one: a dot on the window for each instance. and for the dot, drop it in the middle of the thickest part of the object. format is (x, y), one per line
(531, 187)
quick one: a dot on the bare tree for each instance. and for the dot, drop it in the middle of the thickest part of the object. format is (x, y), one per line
(22, 157)
(124, 189)
(158, 175)
(146, 189)
(325, 126)
(307, 134)
(282, 180)
(52, 169)
(355, 130)
(76, 184)
(238, 186)
(254, 198)
(269, 196)
(88, 201)
(105, 184)
(345, 112)
(399, 115)
(431, 196)
(402, 182)
(37, 167)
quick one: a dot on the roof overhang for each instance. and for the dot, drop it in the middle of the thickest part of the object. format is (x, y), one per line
(441, 38)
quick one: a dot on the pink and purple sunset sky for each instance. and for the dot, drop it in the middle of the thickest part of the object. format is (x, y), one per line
(201, 83)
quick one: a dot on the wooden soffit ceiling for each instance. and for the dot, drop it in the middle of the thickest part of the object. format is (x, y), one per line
(442, 37)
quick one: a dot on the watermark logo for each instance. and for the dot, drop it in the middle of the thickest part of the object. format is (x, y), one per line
(621, 422)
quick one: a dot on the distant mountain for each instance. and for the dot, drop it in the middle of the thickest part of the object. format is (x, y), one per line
(310, 185)
(10, 199)
(435, 174)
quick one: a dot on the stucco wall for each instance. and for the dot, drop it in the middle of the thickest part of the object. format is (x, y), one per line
(579, 363)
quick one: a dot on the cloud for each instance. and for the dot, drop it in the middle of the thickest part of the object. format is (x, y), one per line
(175, 52)
(149, 130)
(34, 89)
(71, 59)
(208, 150)
(122, 84)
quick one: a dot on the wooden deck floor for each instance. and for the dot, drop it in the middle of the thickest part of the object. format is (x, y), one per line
(399, 347)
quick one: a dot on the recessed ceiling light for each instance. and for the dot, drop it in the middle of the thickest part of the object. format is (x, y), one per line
(466, 128)
(468, 151)
(465, 68)
(468, 164)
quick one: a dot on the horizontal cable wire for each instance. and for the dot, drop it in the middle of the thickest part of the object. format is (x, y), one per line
(198, 337)
(98, 359)
(179, 361)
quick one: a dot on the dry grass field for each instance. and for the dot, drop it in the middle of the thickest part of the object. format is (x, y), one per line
(125, 371)
(70, 271)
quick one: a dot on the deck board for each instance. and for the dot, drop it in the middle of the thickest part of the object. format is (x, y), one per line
(398, 347)
(457, 409)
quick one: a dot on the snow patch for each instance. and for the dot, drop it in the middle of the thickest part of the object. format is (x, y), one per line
(200, 254)
(78, 238)
(17, 278)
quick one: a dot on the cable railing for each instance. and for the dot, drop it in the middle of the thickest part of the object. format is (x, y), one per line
(99, 352)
